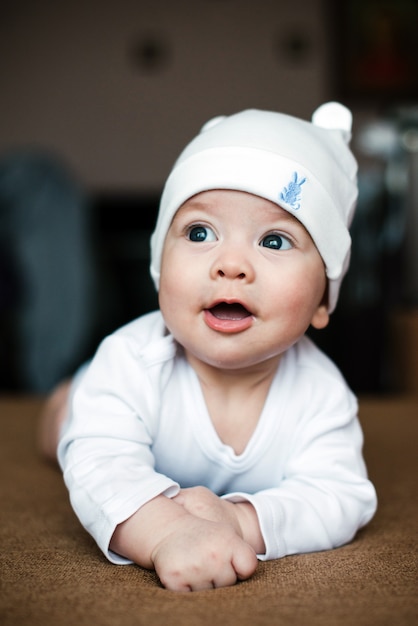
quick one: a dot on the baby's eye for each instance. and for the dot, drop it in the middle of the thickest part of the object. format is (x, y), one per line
(274, 241)
(201, 233)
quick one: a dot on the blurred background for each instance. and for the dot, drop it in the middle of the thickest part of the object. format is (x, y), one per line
(97, 98)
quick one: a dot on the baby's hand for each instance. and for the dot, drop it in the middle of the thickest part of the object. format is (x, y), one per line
(202, 502)
(187, 552)
(199, 554)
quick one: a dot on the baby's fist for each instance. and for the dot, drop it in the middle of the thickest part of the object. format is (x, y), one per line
(200, 554)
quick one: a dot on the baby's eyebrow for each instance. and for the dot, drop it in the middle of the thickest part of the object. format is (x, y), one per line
(278, 214)
(197, 205)
(284, 216)
(194, 210)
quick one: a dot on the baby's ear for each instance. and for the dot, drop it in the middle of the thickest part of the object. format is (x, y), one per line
(320, 318)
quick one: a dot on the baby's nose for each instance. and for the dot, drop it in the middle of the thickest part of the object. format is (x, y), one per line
(233, 266)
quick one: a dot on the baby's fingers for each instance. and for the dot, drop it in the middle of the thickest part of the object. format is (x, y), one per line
(244, 561)
(195, 576)
(224, 577)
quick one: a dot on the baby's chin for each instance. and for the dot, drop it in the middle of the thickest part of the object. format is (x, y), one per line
(233, 362)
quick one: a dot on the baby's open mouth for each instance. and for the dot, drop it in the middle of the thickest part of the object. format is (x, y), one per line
(233, 311)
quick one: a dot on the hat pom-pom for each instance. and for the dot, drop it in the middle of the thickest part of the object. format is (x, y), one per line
(212, 123)
(334, 116)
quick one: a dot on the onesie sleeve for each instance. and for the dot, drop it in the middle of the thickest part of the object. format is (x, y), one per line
(105, 448)
(324, 495)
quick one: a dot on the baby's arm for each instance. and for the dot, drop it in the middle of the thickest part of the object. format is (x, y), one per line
(189, 553)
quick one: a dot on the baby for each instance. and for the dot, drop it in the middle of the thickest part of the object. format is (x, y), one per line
(213, 433)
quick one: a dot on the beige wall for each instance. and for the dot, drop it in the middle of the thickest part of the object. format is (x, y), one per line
(67, 80)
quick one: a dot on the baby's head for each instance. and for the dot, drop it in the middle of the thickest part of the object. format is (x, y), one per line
(306, 168)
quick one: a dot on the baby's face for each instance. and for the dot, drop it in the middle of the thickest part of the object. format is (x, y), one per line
(241, 280)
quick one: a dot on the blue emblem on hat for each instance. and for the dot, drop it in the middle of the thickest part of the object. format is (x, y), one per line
(291, 194)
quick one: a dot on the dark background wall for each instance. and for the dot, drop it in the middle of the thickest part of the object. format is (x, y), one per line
(117, 87)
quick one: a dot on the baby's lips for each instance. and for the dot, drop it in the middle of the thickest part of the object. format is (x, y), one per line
(228, 317)
(230, 311)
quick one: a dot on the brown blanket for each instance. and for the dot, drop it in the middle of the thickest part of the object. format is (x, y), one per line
(53, 574)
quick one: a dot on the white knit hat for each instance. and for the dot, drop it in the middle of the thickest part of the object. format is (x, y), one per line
(306, 168)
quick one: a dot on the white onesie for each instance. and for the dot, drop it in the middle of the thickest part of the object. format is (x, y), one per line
(139, 427)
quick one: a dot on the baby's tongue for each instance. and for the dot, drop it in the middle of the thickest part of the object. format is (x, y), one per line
(224, 311)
